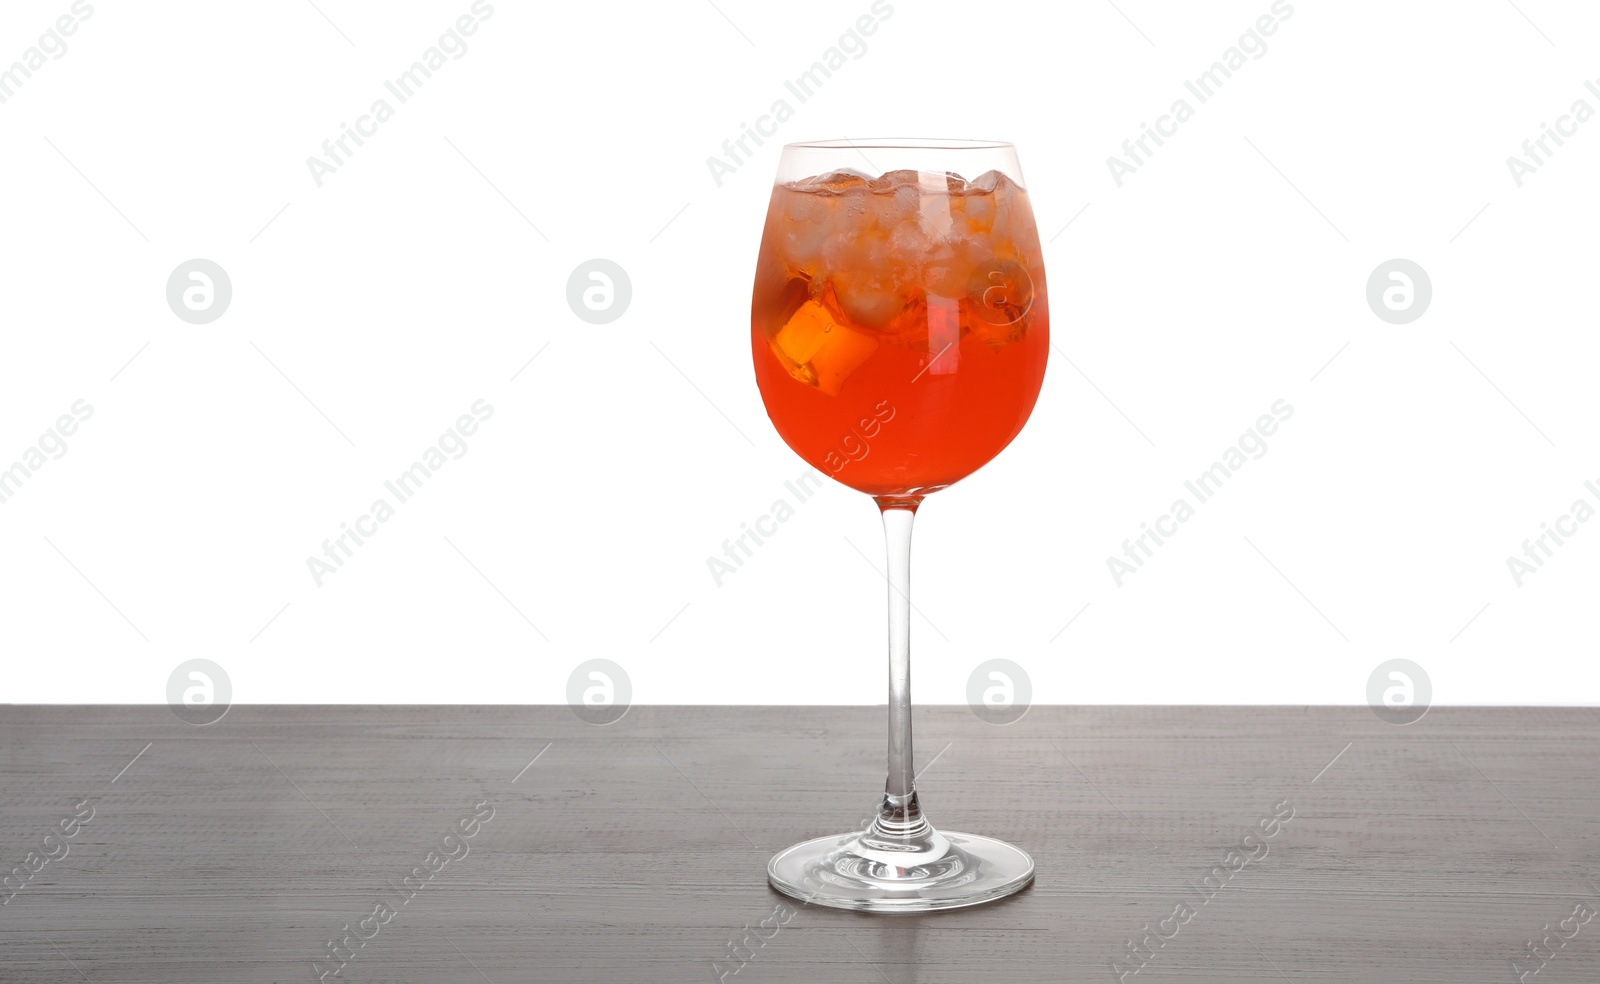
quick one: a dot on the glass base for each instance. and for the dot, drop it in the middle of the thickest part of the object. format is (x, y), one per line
(842, 873)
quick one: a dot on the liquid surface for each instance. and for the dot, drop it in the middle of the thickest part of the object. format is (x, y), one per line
(899, 325)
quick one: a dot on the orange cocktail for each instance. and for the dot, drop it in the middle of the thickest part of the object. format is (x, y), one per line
(899, 324)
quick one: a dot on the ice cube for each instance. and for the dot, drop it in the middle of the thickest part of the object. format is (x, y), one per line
(908, 244)
(946, 267)
(895, 205)
(947, 181)
(1013, 220)
(868, 301)
(818, 350)
(1000, 293)
(892, 180)
(860, 274)
(986, 182)
(979, 210)
(835, 182)
(802, 237)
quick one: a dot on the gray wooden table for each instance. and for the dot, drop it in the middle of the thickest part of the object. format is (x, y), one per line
(636, 851)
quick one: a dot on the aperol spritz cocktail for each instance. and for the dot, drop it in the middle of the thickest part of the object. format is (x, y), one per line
(900, 332)
(899, 323)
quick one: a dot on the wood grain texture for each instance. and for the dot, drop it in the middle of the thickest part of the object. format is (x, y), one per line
(636, 852)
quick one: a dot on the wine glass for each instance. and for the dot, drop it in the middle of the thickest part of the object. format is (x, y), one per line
(900, 333)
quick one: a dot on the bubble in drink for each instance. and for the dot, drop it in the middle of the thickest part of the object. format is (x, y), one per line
(917, 291)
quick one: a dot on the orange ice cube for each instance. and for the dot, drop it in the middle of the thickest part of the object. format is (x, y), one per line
(817, 349)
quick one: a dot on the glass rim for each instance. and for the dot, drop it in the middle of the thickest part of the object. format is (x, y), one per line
(900, 143)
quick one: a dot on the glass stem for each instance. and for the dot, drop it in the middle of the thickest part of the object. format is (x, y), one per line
(900, 817)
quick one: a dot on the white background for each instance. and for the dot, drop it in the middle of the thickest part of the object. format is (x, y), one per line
(1221, 277)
